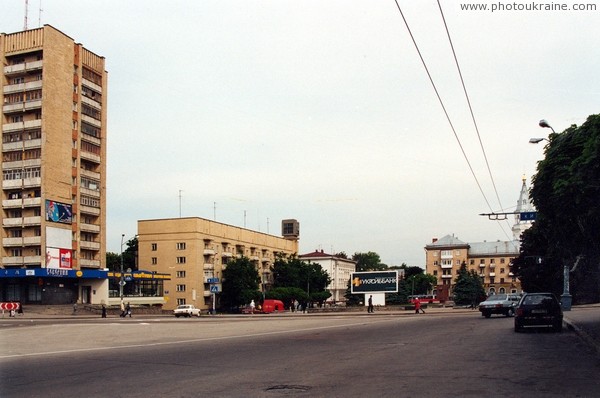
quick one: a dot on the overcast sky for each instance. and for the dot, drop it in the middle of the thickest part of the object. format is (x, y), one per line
(322, 111)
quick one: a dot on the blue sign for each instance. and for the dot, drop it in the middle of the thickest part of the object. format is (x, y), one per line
(213, 280)
(527, 216)
(214, 288)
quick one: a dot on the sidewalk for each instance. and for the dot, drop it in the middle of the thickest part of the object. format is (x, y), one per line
(585, 321)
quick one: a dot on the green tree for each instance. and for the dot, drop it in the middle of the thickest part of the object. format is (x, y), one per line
(566, 194)
(113, 261)
(468, 287)
(368, 262)
(291, 272)
(240, 283)
(352, 299)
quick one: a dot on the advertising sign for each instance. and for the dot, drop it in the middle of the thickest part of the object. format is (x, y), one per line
(59, 212)
(374, 282)
(58, 258)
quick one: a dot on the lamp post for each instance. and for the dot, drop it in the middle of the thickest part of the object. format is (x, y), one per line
(121, 279)
(565, 298)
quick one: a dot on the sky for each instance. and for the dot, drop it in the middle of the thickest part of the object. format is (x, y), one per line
(250, 112)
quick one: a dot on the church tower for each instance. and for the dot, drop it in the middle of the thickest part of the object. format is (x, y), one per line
(523, 206)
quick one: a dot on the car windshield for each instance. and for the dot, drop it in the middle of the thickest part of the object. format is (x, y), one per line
(497, 297)
(537, 299)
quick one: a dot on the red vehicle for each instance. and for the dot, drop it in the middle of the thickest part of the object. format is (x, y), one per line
(269, 306)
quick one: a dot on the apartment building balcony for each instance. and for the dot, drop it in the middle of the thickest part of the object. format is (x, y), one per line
(20, 145)
(23, 67)
(21, 221)
(24, 106)
(89, 245)
(22, 183)
(32, 241)
(84, 262)
(90, 174)
(208, 266)
(18, 126)
(209, 251)
(89, 227)
(446, 266)
(22, 87)
(207, 293)
(227, 254)
(481, 265)
(89, 210)
(91, 120)
(21, 203)
(94, 193)
(12, 242)
(33, 260)
(19, 164)
(89, 138)
(492, 274)
(22, 241)
(446, 276)
(91, 102)
(90, 156)
(92, 85)
(12, 261)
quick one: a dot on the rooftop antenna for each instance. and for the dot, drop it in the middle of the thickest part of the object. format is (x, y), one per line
(180, 202)
(26, 12)
(40, 15)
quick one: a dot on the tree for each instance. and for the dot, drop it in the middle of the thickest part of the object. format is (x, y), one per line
(468, 287)
(352, 299)
(368, 262)
(113, 261)
(240, 283)
(566, 194)
(291, 272)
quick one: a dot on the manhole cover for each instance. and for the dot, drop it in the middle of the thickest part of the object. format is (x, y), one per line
(288, 389)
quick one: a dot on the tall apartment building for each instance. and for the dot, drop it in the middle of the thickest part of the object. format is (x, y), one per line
(54, 169)
(194, 251)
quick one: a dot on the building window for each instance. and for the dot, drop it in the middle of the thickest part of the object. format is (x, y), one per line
(501, 270)
(482, 261)
(180, 301)
(154, 247)
(181, 246)
(180, 288)
(180, 260)
(492, 260)
(180, 274)
(471, 262)
(502, 261)
(434, 272)
(154, 261)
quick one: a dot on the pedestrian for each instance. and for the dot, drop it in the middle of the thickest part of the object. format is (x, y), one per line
(418, 306)
(122, 309)
(370, 308)
(20, 309)
(74, 308)
(103, 311)
(292, 306)
(252, 305)
(128, 310)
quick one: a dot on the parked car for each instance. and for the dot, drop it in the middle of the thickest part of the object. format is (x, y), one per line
(503, 304)
(187, 310)
(539, 310)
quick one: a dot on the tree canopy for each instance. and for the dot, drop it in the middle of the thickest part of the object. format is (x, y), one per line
(240, 283)
(289, 272)
(468, 287)
(368, 262)
(566, 194)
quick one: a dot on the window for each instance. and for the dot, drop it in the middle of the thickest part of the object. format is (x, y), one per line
(180, 260)
(471, 262)
(181, 246)
(16, 253)
(435, 272)
(502, 261)
(154, 247)
(501, 270)
(492, 260)
(482, 261)
(180, 274)
(180, 301)
(154, 261)
(180, 288)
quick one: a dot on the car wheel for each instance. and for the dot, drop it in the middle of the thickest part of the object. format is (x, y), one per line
(517, 328)
(487, 314)
(176, 315)
(557, 327)
(510, 312)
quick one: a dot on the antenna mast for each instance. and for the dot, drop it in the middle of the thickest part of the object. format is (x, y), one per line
(26, 12)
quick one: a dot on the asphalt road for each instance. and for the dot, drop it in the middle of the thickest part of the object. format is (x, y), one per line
(358, 355)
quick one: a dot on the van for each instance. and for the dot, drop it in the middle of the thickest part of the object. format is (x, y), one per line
(270, 305)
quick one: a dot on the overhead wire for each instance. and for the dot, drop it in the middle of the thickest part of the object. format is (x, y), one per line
(462, 81)
(443, 106)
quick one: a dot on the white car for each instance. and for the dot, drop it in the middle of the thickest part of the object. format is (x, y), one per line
(187, 310)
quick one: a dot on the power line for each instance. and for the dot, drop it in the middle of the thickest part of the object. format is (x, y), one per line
(442, 104)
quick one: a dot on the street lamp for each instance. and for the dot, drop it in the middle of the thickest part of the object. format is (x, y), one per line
(121, 281)
(565, 298)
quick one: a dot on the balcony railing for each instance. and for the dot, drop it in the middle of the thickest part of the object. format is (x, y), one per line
(23, 67)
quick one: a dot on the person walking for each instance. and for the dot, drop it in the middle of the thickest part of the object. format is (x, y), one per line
(418, 306)
(128, 310)
(103, 311)
(122, 309)
(370, 308)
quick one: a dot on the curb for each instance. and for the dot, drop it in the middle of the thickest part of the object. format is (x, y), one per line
(585, 336)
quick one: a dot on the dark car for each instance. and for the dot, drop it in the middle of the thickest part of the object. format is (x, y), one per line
(537, 310)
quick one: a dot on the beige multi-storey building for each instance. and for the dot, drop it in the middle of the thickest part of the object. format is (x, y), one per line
(194, 251)
(54, 169)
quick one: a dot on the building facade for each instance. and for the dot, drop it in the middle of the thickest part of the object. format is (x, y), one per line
(490, 260)
(194, 251)
(54, 169)
(339, 270)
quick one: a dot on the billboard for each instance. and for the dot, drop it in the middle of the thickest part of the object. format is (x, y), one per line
(58, 258)
(374, 282)
(58, 212)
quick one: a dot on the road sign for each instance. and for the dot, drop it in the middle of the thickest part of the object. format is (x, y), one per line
(213, 280)
(9, 306)
(374, 282)
(216, 288)
(122, 283)
(527, 216)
